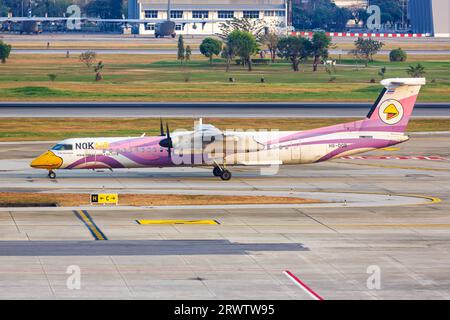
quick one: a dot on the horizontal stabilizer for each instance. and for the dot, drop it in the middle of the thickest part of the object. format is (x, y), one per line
(396, 82)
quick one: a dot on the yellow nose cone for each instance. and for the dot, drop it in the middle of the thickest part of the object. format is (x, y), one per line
(47, 160)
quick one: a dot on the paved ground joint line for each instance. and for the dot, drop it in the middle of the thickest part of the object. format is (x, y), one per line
(14, 220)
(319, 222)
(121, 276)
(46, 276)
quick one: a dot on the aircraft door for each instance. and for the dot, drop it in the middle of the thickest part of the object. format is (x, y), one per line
(295, 154)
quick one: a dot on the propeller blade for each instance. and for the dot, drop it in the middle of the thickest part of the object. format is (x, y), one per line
(161, 127)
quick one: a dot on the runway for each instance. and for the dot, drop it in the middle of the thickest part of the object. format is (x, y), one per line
(195, 110)
(332, 249)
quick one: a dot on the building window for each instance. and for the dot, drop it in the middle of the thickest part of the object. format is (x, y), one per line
(269, 13)
(151, 14)
(251, 14)
(280, 13)
(200, 14)
(176, 14)
(149, 26)
(226, 14)
(178, 27)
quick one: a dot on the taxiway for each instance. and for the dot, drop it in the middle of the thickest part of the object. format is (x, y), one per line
(332, 248)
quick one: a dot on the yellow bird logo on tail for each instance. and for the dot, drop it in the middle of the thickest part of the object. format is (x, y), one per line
(391, 112)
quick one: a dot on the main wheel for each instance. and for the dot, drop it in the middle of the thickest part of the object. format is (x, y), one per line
(225, 175)
(217, 171)
(51, 175)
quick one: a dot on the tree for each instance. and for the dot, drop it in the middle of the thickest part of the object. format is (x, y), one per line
(322, 14)
(181, 50)
(188, 53)
(295, 49)
(244, 45)
(88, 58)
(106, 9)
(359, 14)
(398, 55)
(382, 72)
(254, 26)
(417, 71)
(365, 49)
(391, 10)
(53, 8)
(5, 50)
(320, 43)
(228, 54)
(271, 41)
(98, 71)
(210, 47)
(52, 77)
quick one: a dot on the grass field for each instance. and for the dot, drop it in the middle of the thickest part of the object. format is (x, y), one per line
(74, 199)
(93, 43)
(32, 129)
(162, 78)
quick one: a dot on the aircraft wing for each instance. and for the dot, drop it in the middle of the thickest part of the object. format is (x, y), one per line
(208, 138)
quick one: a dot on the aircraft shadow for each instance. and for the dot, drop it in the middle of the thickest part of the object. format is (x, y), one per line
(139, 248)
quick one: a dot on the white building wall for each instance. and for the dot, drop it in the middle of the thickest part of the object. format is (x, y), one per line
(207, 28)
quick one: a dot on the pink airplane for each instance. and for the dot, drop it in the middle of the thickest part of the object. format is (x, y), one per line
(206, 145)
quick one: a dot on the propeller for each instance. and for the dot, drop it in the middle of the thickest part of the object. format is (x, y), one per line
(167, 142)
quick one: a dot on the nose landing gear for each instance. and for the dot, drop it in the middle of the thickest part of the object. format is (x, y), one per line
(51, 174)
(223, 173)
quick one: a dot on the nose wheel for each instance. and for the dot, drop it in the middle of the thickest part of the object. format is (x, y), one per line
(52, 174)
(223, 173)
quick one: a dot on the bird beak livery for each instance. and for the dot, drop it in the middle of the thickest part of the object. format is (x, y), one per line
(384, 126)
(47, 160)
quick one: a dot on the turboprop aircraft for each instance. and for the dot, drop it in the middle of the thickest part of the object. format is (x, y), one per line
(384, 126)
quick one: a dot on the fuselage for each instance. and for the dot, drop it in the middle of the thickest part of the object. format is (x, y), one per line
(252, 148)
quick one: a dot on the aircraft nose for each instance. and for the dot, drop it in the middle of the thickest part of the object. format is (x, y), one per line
(47, 160)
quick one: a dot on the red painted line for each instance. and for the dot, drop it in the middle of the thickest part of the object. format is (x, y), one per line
(429, 158)
(367, 34)
(302, 285)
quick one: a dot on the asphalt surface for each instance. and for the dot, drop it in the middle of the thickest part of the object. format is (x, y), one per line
(332, 249)
(173, 110)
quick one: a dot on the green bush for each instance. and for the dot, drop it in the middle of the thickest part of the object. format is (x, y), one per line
(397, 55)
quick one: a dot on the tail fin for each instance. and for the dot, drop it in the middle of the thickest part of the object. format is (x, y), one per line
(394, 106)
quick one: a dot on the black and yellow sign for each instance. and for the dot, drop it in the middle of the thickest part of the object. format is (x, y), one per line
(105, 198)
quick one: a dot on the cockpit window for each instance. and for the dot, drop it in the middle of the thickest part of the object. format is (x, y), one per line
(61, 147)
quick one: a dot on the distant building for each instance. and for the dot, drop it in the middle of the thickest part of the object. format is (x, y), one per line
(430, 16)
(275, 12)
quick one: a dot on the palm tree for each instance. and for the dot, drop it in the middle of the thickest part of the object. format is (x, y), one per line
(416, 71)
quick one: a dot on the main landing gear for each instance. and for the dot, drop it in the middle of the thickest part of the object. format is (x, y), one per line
(51, 174)
(223, 173)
